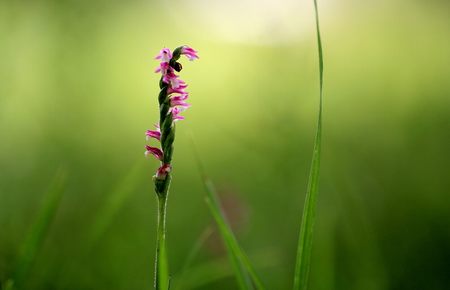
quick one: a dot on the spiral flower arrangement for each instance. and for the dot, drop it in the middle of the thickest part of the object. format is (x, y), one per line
(172, 102)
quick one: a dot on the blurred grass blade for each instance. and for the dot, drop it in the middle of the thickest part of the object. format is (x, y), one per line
(241, 275)
(8, 285)
(195, 249)
(40, 228)
(114, 203)
(211, 271)
(306, 230)
(208, 272)
(244, 271)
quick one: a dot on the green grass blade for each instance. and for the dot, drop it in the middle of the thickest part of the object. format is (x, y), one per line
(244, 270)
(40, 228)
(8, 285)
(191, 256)
(200, 275)
(210, 271)
(242, 277)
(113, 203)
(306, 230)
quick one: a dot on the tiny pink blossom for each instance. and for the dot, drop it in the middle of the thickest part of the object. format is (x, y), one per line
(176, 82)
(180, 90)
(162, 171)
(163, 68)
(176, 113)
(179, 101)
(189, 52)
(153, 134)
(180, 97)
(154, 151)
(164, 55)
(169, 75)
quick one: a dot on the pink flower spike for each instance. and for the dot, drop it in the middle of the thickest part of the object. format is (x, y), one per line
(162, 171)
(153, 134)
(164, 55)
(189, 52)
(154, 151)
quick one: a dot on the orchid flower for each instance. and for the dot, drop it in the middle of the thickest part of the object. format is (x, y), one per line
(164, 55)
(154, 151)
(179, 101)
(190, 53)
(154, 133)
(162, 171)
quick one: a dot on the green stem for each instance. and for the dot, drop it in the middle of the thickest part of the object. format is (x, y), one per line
(161, 265)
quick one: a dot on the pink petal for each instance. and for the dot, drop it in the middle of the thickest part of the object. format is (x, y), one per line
(176, 82)
(163, 68)
(179, 90)
(179, 101)
(154, 151)
(153, 134)
(189, 52)
(164, 55)
(176, 113)
(169, 76)
(179, 98)
(162, 171)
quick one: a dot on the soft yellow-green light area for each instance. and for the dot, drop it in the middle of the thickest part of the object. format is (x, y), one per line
(78, 91)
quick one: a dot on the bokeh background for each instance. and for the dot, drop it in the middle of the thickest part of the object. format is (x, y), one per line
(77, 92)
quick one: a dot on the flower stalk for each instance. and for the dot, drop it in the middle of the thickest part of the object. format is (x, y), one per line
(171, 98)
(161, 265)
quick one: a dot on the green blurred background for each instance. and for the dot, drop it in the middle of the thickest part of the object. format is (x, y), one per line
(77, 92)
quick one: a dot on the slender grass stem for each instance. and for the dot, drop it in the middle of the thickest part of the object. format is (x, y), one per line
(309, 210)
(161, 264)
